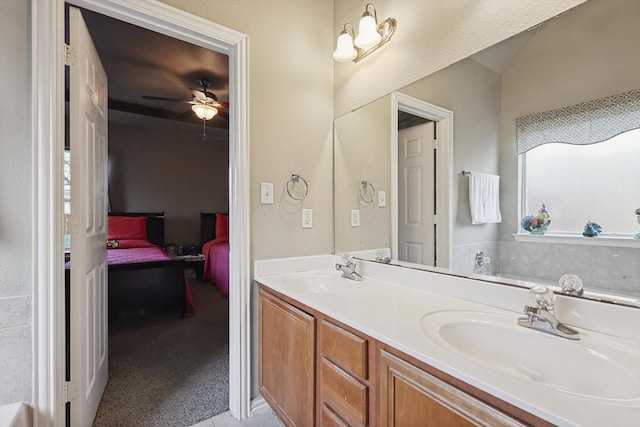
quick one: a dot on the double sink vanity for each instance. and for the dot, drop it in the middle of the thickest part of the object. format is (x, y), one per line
(405, 347)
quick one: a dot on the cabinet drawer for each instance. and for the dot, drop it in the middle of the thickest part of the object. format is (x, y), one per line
(344, 394)
(331, 419)
(345, 349)
(411, 396)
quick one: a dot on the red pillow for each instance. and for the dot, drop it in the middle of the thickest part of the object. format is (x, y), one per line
(127, 227)
(222, 225)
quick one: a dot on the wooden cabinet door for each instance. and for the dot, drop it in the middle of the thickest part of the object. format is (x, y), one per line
(412, 397)
(287, 350)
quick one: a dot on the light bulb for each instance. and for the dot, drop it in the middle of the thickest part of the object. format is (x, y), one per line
(204, 112)
(368, 35)
(345, 51)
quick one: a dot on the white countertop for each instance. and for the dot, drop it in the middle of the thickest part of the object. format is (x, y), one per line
(391, 313)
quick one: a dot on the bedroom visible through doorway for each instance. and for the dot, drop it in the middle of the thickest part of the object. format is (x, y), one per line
(159, 162)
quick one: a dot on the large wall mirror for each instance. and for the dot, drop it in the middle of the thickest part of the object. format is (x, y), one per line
(463, 118)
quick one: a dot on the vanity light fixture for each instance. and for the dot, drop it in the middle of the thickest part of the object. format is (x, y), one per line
(371, 36)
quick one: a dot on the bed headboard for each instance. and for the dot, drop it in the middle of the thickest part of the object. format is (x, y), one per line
(155, 225)
(207, 227)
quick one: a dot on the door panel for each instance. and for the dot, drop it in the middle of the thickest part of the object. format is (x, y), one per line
(416, 184)
(88, 301)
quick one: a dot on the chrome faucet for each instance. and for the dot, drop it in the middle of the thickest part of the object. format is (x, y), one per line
(482, 263)
(348, 268)
(381, 258)
(540, 316)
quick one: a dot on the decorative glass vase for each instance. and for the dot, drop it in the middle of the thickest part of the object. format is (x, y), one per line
(537, 224)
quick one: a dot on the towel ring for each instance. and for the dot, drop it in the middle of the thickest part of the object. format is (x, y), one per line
(364, 186)
(295, 179)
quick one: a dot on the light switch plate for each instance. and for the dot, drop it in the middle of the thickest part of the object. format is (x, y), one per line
(266, 193)
(307, 218)
(355, 218)
(382, 199)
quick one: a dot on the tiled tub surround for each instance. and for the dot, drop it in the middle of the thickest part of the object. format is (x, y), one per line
(601, 268)
(393, 300)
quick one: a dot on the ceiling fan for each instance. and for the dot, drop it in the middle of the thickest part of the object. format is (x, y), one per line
(204, 104)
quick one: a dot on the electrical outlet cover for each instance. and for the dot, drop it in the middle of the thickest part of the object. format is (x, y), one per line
(307, 218)
(382, 199)
(355, 218)
(266, 193)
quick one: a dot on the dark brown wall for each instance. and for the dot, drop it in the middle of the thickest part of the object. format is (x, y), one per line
(161, 165)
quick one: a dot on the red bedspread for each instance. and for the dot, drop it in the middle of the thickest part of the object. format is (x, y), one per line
(135, 255)
(216, 264)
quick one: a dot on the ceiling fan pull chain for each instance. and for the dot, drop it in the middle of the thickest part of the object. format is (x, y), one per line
(204, 130)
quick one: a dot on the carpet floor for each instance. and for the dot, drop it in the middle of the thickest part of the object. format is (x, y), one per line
(169, 371)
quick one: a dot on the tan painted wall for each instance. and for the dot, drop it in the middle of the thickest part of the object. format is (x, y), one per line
(431, 34)
(362, 150)
(290, 113)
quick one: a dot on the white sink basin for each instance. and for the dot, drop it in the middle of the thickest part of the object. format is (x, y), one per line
(324, 282)
(590, 367)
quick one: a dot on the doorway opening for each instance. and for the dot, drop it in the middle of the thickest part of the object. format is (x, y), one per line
(404, 108)
(164, 168)
(50, 389)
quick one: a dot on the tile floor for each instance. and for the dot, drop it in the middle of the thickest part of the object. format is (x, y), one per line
(265, 418)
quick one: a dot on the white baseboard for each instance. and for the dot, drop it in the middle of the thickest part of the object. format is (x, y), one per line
(258, 406)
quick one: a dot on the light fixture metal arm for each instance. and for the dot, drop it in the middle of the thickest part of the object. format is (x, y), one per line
(386, 29)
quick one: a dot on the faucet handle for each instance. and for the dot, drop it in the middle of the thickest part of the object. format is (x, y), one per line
(542, 297)
(347, 260)
(571, 284)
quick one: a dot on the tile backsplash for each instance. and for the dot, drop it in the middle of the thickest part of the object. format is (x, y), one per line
(601, 268)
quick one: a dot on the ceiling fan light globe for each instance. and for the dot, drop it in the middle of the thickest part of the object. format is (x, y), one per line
(204, 112)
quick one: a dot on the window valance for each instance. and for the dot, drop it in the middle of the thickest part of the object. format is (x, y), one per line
(580, 124)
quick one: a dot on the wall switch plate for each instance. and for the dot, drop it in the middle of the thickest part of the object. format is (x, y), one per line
(266, 193)
(307, 218)
(382, 199)
(355, 218)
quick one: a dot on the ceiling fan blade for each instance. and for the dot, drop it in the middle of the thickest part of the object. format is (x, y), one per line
(223, 114)
(161, 98)
(199, 95)
(188, 113)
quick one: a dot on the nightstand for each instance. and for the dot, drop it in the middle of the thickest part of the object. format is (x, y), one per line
(193, 261)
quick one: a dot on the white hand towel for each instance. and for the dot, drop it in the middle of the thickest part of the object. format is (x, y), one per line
(484, 199)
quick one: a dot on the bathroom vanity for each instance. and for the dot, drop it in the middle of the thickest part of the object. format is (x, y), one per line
(336, 352)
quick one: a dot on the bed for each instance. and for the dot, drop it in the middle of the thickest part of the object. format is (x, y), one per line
(214, 236)
(142, 277)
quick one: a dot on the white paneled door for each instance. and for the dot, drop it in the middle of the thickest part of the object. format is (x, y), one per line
(416, 194)
(88, 224)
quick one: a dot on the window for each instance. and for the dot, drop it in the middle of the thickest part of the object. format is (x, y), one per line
(581, 162)
(67, 194)
(577, 183)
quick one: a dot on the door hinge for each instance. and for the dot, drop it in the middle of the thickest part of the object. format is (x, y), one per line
(435, 219)
(70, 224)
(435, 144)
(69, 55)
(70, 391)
